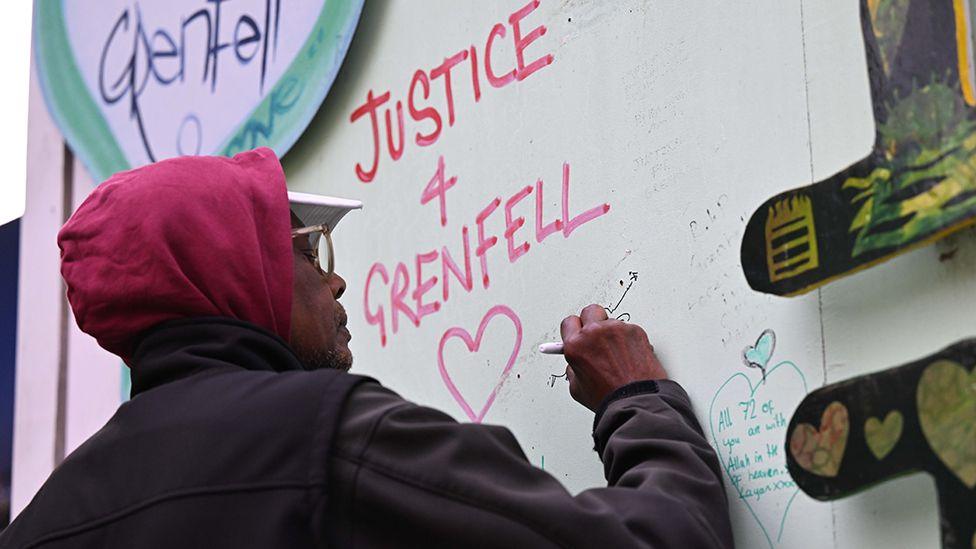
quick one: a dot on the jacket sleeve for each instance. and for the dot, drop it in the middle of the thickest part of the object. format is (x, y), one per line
(407, 475)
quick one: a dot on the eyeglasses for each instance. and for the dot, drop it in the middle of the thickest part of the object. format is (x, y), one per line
(321, 240)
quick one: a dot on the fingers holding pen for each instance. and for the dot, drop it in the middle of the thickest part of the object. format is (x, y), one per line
(592, 322)
(592, 313)
(570, 326)
(574, 330)
(604, 354)
(574, 385)
(573, 323)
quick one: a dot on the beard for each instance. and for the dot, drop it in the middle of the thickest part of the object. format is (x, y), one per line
(318, 359)
(318, 356)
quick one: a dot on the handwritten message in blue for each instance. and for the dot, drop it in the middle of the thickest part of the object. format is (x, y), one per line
(748, 418)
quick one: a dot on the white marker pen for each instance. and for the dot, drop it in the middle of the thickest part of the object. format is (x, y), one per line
(555, 348)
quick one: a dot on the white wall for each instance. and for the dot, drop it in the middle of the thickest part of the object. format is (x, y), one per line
(684, 119)
(90, 391)
(39, 309)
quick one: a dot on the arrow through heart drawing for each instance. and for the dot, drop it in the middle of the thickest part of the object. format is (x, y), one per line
(474, 345)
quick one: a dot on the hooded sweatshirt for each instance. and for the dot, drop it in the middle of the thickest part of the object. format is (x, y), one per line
(154, 244)
(229, 442)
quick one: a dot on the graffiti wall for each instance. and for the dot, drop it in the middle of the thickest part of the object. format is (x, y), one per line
(683, 167)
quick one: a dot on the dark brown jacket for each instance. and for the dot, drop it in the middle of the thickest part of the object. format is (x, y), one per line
(227, 442)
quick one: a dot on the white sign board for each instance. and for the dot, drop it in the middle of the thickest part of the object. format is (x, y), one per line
(133, 82)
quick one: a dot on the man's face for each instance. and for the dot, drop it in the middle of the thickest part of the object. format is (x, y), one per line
(318, 322)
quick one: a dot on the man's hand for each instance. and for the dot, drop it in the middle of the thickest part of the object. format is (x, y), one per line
(604, 355)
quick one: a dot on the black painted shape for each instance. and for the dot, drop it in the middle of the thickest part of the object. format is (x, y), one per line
(927, 51)
(875, 395)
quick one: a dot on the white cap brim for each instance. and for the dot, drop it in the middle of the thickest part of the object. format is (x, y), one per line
(316, 209)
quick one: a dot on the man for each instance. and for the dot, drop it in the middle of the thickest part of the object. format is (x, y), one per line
(244, 430)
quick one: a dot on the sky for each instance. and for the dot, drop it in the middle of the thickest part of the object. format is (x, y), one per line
(15, 66)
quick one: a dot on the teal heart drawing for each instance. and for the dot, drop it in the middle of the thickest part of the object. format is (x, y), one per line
(759, 355)
(748, 423)
(129, 83)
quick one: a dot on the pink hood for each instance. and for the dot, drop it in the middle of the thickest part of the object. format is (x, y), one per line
(186, 237)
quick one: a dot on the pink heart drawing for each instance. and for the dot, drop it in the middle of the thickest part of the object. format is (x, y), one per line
(473, 346)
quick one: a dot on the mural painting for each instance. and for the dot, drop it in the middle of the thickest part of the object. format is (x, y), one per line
(848, 436)
(132, 83)
(917, 184)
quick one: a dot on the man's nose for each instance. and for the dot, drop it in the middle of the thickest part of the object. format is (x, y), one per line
(337, 285)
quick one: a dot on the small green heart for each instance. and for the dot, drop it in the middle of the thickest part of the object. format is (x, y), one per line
(883, 436)
(947, 412)
(758, 355)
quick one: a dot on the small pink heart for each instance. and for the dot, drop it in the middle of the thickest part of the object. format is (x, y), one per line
(473, 346)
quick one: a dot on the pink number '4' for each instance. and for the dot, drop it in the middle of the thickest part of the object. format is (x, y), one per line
(436, 188)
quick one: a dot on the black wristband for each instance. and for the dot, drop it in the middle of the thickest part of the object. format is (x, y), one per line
(631, 389)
